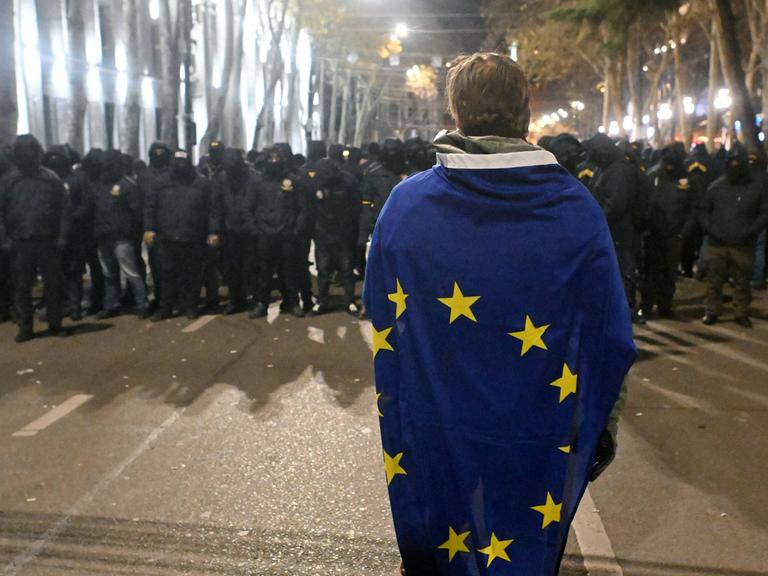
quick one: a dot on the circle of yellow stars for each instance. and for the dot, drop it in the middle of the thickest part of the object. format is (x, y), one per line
(530, 337)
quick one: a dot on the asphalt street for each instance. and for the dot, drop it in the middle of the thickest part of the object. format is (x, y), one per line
(232, 446)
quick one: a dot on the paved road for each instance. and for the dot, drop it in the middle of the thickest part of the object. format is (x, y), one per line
(237, 447)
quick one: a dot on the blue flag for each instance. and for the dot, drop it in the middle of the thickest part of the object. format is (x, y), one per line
(501, 338)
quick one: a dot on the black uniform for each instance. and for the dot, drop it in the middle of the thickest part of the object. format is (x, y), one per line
(671, 218)
(210, 167)
(90, 169)
(334, 217)
(5, 260)
(734, 213)
(179, 213)
(379, 178)
(275, 218)
(234, 188)
(159, 160)
(614, 189)
(699, 168)
(35, 218)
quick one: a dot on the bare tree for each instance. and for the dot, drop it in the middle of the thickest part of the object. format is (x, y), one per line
(171, 62)
(234, 107)
(9, 113)
(132, 111)
(216, 112)
(78, 99)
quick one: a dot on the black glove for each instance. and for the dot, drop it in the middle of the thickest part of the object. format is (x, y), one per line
(606, 452)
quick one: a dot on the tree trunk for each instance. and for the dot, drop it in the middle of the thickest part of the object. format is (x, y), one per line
(606, 117)
(731, 63)
(234, 105)
(320, 130)
(9, 112)
(215, 116)
(78, 98)
(617, 109)
(169, 42)
(291, 115)
(714, 81)
(332, 134)
(132, 112)
(364, 111)
(683, 122)
(345, 107)
(634, 69)
(273, 73)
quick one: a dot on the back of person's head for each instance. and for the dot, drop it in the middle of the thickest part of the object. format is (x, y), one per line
(315, 150)
(488, 95)
(57, 158)
(92, 163)
(568, 151)
(112, 167)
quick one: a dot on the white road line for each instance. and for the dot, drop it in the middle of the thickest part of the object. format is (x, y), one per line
(199, 323)
(273, 312)
(664, 354)
(683, 400)
(737, 335)
(316, 334)
(596, 548)
(38, 546)
(53, 415)
(715, 347)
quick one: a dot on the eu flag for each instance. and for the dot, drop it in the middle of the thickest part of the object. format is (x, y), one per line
(501, 337)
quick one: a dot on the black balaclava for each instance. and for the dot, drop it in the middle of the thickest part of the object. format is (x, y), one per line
(234, 165)
(182, 169)
(5, 163)
(58, 160)
(315, 150)
(737, 166)
(336, 153)
(112, 169)
(672, 163)
(274, 168)
(393, 156)
(127, 163)
(28, 154)
(371, 150)
(159, 156)
(92, 163)
(215, 153)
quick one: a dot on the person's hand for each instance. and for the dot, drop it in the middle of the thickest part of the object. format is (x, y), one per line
(606, 452)
(214, 240)
(149, 238)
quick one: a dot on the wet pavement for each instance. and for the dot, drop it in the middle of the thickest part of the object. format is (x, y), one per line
(232, 446)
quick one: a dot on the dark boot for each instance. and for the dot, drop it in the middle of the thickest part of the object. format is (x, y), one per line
(709, 319)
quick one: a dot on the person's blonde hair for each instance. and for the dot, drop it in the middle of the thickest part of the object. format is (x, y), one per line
(488, 95)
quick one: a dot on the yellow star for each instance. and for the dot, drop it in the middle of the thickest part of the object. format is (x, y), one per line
(567, 383)
(497, 549)
(378, 408)
(549, 510)
(392, 466)
(399, 297)
(380, 341)
(565, 449)
(455, 543)
(459, 304)
(531, 336)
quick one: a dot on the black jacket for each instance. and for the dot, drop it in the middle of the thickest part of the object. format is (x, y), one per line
(614, 187)
(34, 207)
(233, 200)
(334, 204)
(275, 209)
(734, 214)
(181, 212)
(118, 211)
(378, 183)
(671, 205)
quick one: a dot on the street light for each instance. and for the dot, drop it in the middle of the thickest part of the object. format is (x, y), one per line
(723, 99)
(665, 111)
(401, 29)
(689, 107)
(577, 105)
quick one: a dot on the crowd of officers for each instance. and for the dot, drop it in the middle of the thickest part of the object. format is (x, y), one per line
(672, 212)
(246, 221)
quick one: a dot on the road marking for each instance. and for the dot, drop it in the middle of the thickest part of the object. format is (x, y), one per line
(737, 335)
(273, 312)
(199, 323)
(679, 398)
(663, 354)
(38, 546)
(316, 334)
(341, 332)
(596, 548)
(53, 415)
(702, 344)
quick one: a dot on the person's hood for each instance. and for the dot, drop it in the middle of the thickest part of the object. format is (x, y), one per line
(274, 170)
(315, 150)
(457, 142)
(371, 151)
(215, 151)
(392, 156)
(671, 164)
(568, 151)
(336, 153)
(233, 163)
(112, 168)
(322, 173)
(602, 150)
(28, 154)
(284, 150)
(58, 159)
(698, 160)
(159, 156)
(92, 163)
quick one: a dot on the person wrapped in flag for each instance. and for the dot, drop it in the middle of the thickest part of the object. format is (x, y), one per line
(501, 340)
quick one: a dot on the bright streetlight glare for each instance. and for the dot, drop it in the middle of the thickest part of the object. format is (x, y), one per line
(401, 29)
(723, 99)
